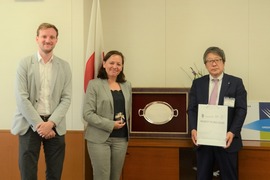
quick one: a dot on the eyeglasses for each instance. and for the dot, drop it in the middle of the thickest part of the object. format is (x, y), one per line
(211, 61)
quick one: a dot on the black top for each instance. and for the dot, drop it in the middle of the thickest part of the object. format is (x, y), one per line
(119, 107)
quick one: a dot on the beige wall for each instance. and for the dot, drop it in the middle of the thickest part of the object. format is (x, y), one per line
(19, 21)
(158, 37)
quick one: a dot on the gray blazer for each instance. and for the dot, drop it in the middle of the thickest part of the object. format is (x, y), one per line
(98, 110)
(27, 95)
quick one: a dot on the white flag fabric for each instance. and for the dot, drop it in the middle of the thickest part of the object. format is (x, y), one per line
(95, 46)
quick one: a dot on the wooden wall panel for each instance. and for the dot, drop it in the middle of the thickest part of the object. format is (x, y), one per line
(253, 159)
(254, 164)
(74, 158)
(9, 168)
(151, 163)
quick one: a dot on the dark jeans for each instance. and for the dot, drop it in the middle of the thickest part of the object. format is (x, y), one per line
(29, 149)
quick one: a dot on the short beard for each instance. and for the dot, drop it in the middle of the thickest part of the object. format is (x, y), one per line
(48, 51)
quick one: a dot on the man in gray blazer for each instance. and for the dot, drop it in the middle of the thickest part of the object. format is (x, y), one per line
(43, 96)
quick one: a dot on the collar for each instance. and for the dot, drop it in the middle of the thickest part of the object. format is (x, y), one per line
(40, 58)
(219, 78)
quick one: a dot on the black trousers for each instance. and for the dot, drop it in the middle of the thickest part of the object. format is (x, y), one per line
(227, 162)
(29, 149)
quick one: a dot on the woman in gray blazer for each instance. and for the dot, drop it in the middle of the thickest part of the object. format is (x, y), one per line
(107, 108)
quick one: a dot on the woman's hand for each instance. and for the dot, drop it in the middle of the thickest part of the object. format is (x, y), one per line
(119, 124)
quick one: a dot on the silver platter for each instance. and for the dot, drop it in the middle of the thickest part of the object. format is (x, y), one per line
(158, 112)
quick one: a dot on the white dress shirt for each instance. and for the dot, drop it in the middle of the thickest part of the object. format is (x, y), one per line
(45, 71)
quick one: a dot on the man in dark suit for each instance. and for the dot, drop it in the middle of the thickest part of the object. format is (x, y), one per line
(230, 92)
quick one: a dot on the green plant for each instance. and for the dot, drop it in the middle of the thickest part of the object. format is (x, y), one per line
(195, 73)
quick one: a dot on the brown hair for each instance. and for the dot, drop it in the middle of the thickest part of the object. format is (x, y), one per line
(46, 26)
(102, 72)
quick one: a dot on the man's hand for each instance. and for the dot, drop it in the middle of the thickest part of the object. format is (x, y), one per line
(50, 135)
(229, 139)
(194, 136)
(44, 128)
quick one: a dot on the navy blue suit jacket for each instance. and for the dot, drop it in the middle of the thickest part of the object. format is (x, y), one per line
(231, 87)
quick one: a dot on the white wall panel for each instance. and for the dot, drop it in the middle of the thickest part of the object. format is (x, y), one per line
(157, 37)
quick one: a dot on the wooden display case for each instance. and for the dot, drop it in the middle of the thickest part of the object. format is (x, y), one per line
(170, 103)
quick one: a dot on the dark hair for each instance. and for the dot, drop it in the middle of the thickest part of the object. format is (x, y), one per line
(46, 26)
(102, 74)
(214, 50)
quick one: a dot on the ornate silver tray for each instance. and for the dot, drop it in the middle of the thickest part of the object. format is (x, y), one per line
(158, 112)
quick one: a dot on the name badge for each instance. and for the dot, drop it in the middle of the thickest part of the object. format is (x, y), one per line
(229, 101)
